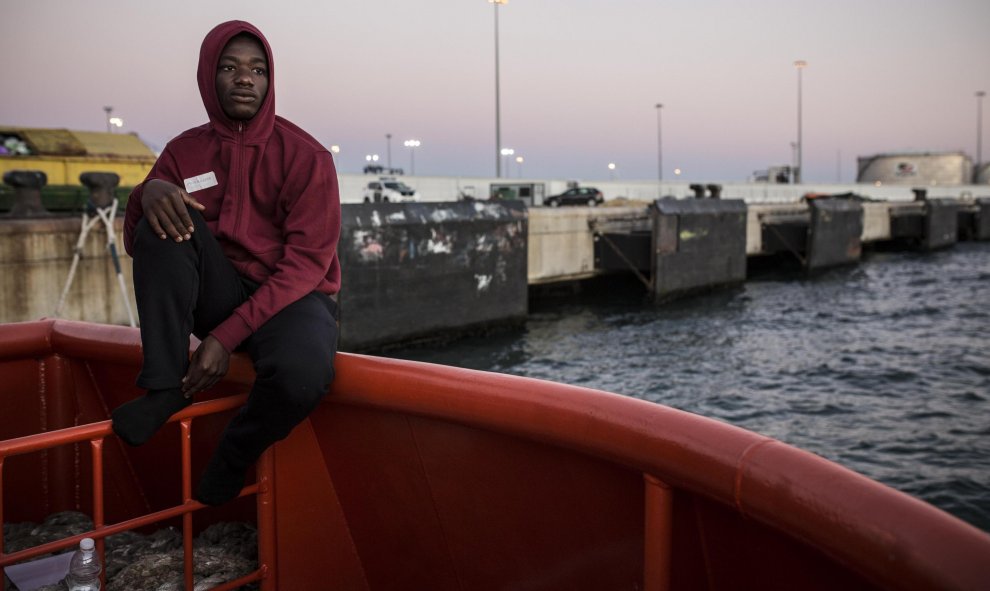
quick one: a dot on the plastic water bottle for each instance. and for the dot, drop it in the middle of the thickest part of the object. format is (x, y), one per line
(84, 568)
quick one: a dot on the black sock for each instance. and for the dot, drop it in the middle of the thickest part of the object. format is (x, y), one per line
(136, 421)
(221, 481)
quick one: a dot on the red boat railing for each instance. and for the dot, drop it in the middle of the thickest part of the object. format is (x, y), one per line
(408, 476)
(95, 433)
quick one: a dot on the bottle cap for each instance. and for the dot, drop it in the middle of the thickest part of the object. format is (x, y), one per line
(86, 544)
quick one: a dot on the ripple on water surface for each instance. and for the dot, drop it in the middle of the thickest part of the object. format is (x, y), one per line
(883, 367)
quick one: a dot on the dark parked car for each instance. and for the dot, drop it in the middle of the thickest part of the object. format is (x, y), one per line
(589, 196)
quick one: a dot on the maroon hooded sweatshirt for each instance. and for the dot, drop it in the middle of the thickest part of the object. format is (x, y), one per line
(275, 207)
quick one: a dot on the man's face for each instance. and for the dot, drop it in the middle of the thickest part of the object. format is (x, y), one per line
(242, 77)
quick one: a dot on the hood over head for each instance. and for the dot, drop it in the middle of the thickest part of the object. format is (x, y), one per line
(259, 127)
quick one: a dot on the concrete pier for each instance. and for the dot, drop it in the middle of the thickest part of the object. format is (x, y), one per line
(941, 223)
(824, 232)
(982, 222)
(35, 257)
(835, 233)
(415, 270)
(697, 244)
(474, 260)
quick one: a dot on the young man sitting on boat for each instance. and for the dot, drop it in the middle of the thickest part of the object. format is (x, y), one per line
(234, 238)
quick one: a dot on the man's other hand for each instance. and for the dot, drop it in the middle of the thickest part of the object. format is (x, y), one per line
(164, 207)
(208, 364)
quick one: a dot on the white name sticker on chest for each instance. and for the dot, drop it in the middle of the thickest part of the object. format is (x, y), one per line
(203, 181)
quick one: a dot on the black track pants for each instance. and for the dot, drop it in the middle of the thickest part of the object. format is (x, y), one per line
(189, 288)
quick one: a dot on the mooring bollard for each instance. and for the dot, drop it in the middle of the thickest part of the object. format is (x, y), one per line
(101, 186)
(715, 191)
(27, 193)
(699, 191)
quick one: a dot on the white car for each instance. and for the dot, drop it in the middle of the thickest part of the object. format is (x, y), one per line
(389, 189)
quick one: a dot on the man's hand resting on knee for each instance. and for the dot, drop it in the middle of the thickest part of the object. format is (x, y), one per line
(208, 364)
(164, 206)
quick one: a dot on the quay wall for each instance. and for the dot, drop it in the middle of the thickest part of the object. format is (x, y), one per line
(418, 270)
(559, 245)
(35, 258)
(876, 222)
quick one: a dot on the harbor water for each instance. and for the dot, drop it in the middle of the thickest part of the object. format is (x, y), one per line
(883, 367)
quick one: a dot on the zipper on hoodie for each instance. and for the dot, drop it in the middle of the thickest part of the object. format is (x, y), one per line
(241, 183)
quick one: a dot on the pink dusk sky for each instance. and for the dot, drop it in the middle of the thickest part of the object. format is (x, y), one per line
(579, 78)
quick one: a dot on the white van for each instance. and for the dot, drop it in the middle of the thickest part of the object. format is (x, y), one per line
(389, 189)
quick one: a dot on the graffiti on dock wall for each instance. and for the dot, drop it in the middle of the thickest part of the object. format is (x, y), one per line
(430, 266)
(442, 233)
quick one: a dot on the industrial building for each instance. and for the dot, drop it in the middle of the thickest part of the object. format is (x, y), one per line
(916, 168)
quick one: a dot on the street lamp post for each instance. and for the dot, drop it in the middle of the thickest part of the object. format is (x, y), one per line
(979, 132)
(498, 114)
(412, 145)
(658, 107)
(794, 162)
(800, 65)
(611, 171)
(519, 162)
(112, 121)
(388, 149)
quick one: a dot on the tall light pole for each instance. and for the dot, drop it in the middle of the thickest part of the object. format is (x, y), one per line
(519, 161)
(412, 145)
(388, 149)
(108, 110)
(659, 144)
(498, 108)
(979, 132)
(800, 65)
(611, 171)
(794, 162)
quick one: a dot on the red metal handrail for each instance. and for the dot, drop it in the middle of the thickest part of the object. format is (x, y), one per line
(95, 433)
